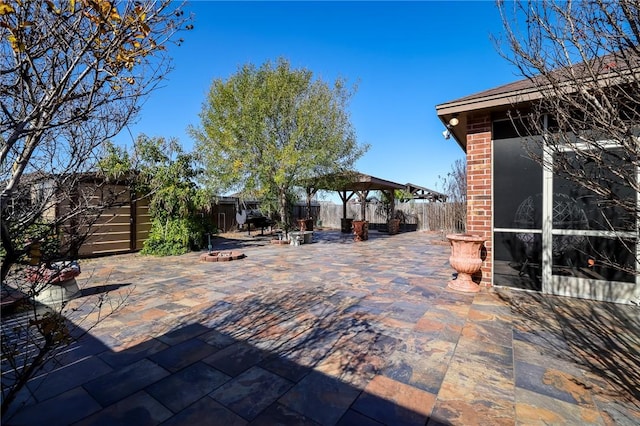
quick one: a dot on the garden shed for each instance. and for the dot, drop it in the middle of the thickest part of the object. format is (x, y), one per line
(112, 218)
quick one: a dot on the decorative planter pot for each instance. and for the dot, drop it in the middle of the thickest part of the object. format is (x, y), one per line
(300, 237)
(305, 224)
(57, 282)
(360, 230)
(465, 258)
(393, 226)
(58, 292)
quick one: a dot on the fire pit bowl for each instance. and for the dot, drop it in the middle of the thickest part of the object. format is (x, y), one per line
(221, 256)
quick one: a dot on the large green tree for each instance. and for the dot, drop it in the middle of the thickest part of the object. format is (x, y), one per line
(266, 130)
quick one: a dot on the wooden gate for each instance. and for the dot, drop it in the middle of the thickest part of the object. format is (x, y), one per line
(119, 229)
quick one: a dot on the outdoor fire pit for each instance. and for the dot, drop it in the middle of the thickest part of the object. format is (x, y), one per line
(221, 256)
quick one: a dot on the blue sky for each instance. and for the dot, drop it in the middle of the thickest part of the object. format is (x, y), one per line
(405, 57)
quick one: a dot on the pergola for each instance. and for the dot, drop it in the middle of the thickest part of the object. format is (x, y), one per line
(348, 184)
(422, 193)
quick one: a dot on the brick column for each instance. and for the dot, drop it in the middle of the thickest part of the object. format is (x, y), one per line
(479, 187)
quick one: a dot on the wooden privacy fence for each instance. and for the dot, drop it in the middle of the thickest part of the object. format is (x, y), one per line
(422, 216)
(125, 227)
(121, 228)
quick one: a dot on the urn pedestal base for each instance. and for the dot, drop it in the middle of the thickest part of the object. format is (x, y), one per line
(468, 286)
(345, 225)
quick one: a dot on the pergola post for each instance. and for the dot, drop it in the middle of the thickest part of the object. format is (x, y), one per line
(363, 203)
(345, 199)
(310, 193)
(392, 201)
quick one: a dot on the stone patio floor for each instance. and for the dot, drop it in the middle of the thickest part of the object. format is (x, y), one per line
(331, 333)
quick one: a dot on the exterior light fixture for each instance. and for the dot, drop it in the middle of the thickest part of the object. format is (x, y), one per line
(453, 121)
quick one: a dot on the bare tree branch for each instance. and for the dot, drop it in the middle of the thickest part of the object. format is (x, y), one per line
(583, 58)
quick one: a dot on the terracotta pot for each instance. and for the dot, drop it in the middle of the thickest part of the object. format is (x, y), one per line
(360, 230)
(305, 224)
(465, 258)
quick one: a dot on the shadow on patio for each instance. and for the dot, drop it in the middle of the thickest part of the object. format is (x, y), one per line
(328, 334)
(311, 358)
(597, 343)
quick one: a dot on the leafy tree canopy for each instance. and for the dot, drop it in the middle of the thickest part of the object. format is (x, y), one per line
(265, 130)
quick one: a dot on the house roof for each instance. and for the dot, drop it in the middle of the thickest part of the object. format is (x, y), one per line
(506, 94)
(605, 70)
(501, 97)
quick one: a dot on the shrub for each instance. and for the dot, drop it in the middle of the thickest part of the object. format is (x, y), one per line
(174, 237)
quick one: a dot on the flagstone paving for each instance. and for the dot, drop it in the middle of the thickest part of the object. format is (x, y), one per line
(331, 333)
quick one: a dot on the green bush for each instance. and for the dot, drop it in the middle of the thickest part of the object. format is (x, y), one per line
(173, 237)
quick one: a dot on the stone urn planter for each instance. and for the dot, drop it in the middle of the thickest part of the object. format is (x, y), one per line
(305, 224)
(465, 258)
(360, 230)
(300, 237)
(56, 282)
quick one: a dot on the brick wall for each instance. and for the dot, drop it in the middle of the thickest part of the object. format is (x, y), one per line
(479, 197)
